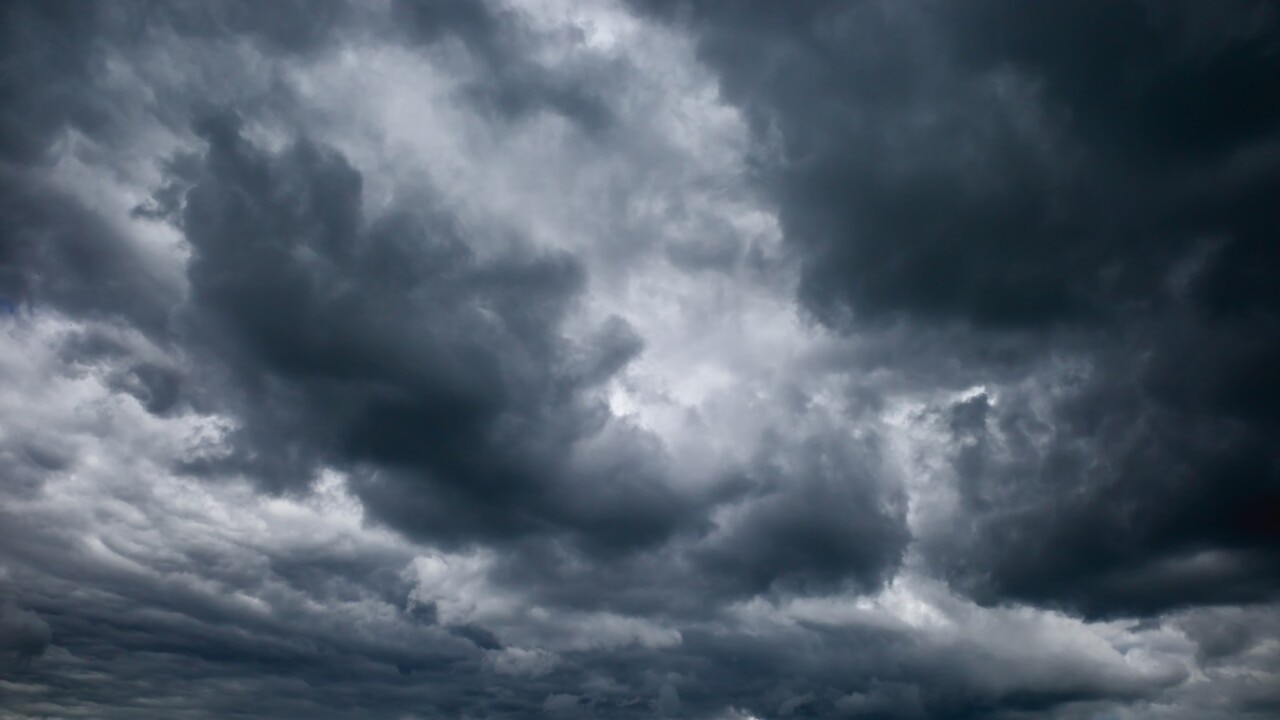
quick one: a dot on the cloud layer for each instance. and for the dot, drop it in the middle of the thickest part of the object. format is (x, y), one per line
(601, 359)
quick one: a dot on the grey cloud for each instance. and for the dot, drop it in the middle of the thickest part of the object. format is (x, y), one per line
(168, 629)
(158, 388)
(1128, 496)
(55, 252)
(392, 344)
(50, 42)
(347, 452)
(23, 634)
(511, 84)
(1077, 182)
(944, 163)
(819, 517)
(1225, 633)
(439, 376)
(57, 57)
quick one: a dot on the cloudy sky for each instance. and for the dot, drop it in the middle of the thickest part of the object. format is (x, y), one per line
(639, 359)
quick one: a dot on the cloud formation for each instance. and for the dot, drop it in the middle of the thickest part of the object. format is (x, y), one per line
(1084, 185)
(639, 359)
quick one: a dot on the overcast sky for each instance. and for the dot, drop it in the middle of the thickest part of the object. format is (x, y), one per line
(640, 359)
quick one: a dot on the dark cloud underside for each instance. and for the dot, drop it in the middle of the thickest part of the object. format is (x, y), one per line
(1090, 179)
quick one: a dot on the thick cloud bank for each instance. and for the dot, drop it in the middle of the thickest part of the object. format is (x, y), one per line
(416, 359)
(1089, 184)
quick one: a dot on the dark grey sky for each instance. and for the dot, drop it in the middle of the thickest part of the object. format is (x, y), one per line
(604, 359)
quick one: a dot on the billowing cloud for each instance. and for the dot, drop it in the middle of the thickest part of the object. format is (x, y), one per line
(639, 359)
(1082, 187)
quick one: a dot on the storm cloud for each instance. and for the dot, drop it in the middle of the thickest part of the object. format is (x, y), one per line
(639, 359)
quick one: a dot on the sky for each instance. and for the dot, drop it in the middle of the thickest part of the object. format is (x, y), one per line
(417, 359)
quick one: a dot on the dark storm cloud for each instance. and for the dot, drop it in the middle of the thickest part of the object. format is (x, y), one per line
(807, 516)
(56, 54)
(1116, 503)
(394, 347)
(441, 377)
(167, 649)
(1085, 180)
(511, 84)
(1020, 206)
(56, 57)
(141, 620)
(816, 671)
(48, 50)
(55, 252)
(968, 163)
(816, 519)
(23, 634)
(389, 386)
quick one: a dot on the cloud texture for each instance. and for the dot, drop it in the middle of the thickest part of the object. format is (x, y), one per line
(417, 359)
